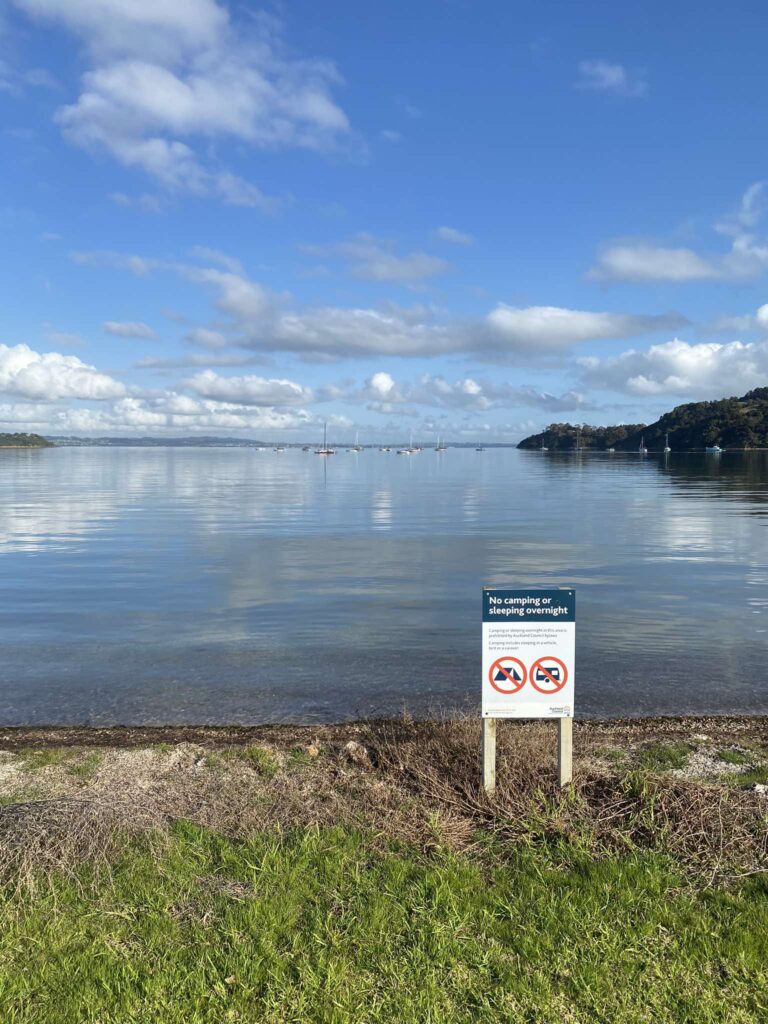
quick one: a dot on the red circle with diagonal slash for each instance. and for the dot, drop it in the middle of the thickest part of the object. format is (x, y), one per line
(557, 684)
(516, 684)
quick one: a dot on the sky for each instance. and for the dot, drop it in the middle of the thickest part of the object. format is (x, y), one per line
(457, 218)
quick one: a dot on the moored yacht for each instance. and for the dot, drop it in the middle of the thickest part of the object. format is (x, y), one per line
(325, 450)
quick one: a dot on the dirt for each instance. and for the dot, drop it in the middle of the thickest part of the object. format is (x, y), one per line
(721, 730)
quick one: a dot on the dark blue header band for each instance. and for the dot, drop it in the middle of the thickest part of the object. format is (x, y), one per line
(529, 606)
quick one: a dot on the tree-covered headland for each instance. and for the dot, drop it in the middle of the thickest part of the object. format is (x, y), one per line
(23, 441)
(729, 422)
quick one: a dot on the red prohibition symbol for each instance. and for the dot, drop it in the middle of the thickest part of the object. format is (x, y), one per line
(507, 675)
(548, 675)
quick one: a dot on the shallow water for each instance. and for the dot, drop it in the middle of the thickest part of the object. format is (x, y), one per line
(168, 585)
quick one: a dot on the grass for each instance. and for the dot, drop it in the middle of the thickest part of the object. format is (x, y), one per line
(45, 757)
(322, 925)
(86, 767)
(287, 887)
(731, 756)
(259, 758)
(664, 756)
(748, 779)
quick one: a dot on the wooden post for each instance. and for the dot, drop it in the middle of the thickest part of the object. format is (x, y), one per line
(564, 751)
(489, 754)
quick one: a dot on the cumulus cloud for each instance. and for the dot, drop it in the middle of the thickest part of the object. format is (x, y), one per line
(167, 75)
(50, 376)
(130, 329)
(757, 321)
(471, 394)
(605, 76)
(262, 319)
(453, 235)
(249, 390)
(555, 329)
(678, 368)
(646, 261)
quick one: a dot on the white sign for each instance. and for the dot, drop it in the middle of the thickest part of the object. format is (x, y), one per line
(529, 653)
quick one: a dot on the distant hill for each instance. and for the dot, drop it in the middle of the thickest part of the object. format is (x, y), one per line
(729, 422)
(23, 441)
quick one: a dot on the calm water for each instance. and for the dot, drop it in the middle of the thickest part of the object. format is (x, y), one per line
(225, 585)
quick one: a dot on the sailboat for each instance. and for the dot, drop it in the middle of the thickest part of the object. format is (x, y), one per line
(325, 450)
(356, 447)
(666, 443)
(410, 450)
(713, 449)
(441, 446)
(642, 449)
(543, 447)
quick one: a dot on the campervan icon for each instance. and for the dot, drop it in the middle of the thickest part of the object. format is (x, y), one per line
(552, 672)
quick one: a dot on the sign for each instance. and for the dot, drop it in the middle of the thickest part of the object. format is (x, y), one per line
(529, 650)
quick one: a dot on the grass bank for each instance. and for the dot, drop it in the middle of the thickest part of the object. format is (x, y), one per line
(360, 875)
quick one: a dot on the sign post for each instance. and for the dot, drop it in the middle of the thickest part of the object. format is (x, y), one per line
(529, 652)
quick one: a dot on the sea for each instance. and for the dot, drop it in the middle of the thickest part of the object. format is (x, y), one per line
(235, 585)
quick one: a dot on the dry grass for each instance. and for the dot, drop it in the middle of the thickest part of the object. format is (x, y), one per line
(417, 783)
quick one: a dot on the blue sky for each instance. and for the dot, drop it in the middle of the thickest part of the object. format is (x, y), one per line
(462, 218)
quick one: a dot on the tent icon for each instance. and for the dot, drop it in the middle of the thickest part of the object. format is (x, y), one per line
(507, 674)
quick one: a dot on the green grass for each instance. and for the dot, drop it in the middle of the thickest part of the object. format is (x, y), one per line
(298, 757)
(260, 759)
(45, 757)
(327, 926)
(86, 767)
(733, 756)
(747, 779)
(664, 756)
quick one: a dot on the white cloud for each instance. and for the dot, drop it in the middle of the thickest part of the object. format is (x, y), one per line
(169, 74)
(208, 255)
(205, 337)
(50, 376)
(249, 390)
(129, 329)
(554, 329)
(264, 320)
(471, 394)
(388, 135)
(242, 299)
(166, 29)
(678, 368)
(604, 76)
(381, 384)
(375, 259)
(646, 262)
(453, 235)
(758, 321)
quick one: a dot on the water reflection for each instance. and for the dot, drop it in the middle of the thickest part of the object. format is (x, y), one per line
(228, 585)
